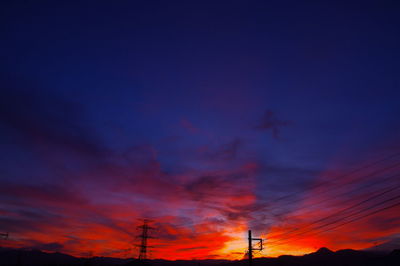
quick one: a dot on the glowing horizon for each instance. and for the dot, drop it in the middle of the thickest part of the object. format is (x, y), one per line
(209, 118)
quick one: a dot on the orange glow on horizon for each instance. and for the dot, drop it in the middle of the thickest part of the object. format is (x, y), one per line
(217, 229)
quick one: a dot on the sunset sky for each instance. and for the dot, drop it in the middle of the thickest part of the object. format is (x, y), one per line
(208, 117)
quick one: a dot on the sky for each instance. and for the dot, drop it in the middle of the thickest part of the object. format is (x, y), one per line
(210, 118)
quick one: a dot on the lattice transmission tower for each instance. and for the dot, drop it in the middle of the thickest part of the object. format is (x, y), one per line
(144, 236)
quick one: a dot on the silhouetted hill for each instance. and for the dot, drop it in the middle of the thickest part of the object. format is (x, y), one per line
(35, 257)
(395, 252)
(321, 253)
(326, 257)
(322, 257)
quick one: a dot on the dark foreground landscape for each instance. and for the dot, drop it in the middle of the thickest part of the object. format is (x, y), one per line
(323, 256)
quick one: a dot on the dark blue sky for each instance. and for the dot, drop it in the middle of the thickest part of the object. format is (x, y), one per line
(94, 91)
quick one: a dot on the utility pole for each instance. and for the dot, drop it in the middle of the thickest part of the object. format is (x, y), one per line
(144, 236)
(250, 252)
(251, 248)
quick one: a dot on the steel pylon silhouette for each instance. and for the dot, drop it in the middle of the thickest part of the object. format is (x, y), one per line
(144, 236)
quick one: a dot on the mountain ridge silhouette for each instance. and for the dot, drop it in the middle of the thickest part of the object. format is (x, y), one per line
(323, 256)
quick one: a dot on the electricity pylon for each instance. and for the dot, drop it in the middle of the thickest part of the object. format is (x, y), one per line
(144, 236)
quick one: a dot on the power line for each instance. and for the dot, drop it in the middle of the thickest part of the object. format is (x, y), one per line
(347, 222)
(347, 174)
(323, 184)
(324, 202)
(339, 212)
(330, 189)
(348, 216)
(364, 216)
(320, 202)
(362, 187)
